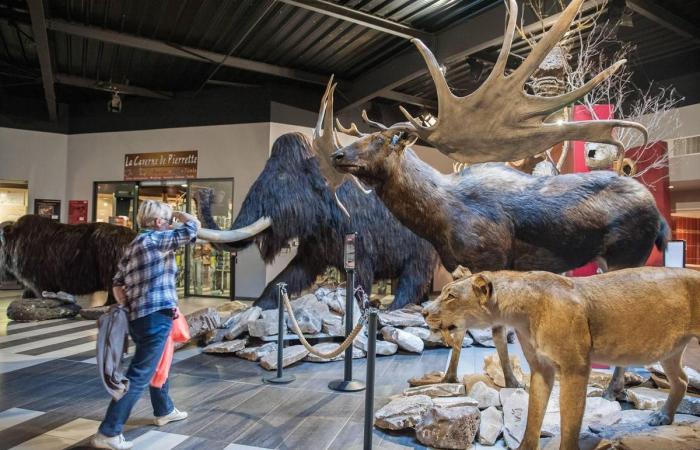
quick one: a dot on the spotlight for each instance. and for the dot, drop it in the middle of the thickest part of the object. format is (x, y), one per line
(626, 18)
(115, 103)
(428, 119)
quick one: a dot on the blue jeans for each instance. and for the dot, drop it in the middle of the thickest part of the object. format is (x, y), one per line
(149, 333)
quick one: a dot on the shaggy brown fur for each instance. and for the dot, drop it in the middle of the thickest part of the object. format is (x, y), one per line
(49, 256)
(632, 316)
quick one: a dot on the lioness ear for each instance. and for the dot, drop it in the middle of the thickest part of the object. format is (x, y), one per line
(460, 272)
(483, 288)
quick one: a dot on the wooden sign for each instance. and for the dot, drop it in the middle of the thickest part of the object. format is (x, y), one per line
(161, 165)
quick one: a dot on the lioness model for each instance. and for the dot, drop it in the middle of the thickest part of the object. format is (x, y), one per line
(490, 217)
(632, 316)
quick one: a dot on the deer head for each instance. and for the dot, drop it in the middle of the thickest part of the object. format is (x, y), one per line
(370, 157)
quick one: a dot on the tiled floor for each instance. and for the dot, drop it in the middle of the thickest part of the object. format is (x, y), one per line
(52, 398)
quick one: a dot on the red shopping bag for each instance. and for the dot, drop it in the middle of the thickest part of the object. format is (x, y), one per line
(180, 332)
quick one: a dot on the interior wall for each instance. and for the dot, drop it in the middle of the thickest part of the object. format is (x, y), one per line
(224, 151)
(40, 159)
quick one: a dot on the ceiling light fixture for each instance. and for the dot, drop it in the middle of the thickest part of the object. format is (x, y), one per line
(114, 105)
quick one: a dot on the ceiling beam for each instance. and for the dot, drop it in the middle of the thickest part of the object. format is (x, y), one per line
(41, 40)
(127, 89)
(152, 45)
(360, 18)
(409, 99)
(466, 38)
(666, 19)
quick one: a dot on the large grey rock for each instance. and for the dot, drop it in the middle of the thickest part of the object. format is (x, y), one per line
(327, 347)
(452, 402)
(383, 347)
(405, 341)
(229, 310)
(333, 298)
(633, 432)
(602, 379)
(420, 332)
(266, 325)
(290, 355)
(402, 412)
(226, 346)
(29, 309)
(309, 313)
(647, 398)
(486, 396)
(449, 427)
(402, 318)
(491, 425)
(238, 323)
(257, 352)
(482, 337)
(93, 313)
(438, 390)
(599, 412)
(514, 415)
(334, 324)
(693, 375)
(492, 367)
(213, 336)
(201, 321)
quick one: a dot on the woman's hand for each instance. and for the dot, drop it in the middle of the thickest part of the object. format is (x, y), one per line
(184, 217)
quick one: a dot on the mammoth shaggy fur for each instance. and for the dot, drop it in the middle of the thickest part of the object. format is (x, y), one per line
(293, 193)
(48, 256)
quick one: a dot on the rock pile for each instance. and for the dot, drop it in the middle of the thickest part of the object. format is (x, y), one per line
(479, 411)
(320, 315)
(30, 309)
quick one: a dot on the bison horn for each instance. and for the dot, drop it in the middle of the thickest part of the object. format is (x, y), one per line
(239, 234)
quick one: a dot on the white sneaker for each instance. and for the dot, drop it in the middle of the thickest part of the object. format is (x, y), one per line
(115, 442)
(172, 417)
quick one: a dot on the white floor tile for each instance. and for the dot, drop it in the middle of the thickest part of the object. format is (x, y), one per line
(51, 341)
(158, 440)
(31, 333)
(243, 447)
(75, 430)
(45, 442)
(14, 416)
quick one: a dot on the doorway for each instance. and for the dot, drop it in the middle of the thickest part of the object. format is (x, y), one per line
(202, 270)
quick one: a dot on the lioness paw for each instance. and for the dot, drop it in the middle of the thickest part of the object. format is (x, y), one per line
(659, 418)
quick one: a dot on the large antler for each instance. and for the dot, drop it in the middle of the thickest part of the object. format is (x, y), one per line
(325, 142)
(500, 121)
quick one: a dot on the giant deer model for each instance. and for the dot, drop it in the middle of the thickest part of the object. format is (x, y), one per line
(490, 217)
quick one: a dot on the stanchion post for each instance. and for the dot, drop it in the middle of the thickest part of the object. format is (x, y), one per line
(349, 307)
(280, 378)
(369, 393)
(347, 384)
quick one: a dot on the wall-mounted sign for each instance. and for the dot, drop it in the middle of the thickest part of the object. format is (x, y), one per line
(77, 211)
(161, 165)
(48, 208)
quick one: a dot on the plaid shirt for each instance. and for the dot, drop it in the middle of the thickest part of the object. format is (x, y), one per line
(148, 270)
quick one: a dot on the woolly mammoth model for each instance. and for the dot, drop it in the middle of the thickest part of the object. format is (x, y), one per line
(49, 256)
(291, 199)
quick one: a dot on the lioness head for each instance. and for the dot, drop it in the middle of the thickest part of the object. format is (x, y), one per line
(465, 303)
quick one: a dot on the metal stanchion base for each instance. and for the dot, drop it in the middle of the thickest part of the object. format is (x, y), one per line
(284, 379)
(347, 386)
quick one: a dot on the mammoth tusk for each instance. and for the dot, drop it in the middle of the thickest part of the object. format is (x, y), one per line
(239, 234)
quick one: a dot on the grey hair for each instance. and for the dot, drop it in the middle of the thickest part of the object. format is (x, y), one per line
(150, 210)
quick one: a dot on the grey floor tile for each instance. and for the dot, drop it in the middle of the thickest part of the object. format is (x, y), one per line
(198, 443)
(351, 437)
(313, 432)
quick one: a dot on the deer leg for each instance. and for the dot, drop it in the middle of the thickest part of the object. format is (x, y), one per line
(679, 382)
(499, 338)
(616, 386)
